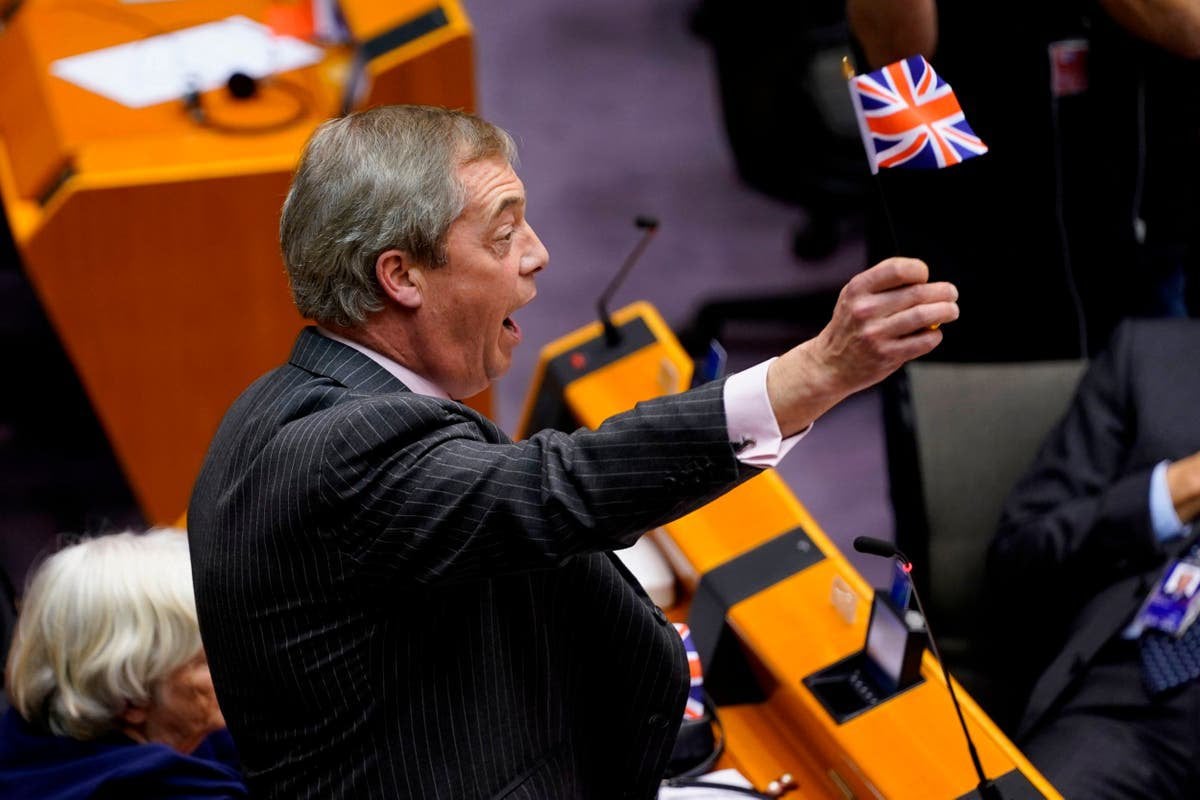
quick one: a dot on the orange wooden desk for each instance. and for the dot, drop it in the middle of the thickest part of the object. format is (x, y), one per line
(910, 746)
(151, 241)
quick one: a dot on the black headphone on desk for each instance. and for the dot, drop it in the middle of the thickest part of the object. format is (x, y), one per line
(242, 86)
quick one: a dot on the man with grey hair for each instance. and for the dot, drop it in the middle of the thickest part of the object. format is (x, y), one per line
(396, 599)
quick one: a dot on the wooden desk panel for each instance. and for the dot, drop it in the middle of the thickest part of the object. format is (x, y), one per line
(69, 116)
(911, 745)
(166, 322)
(152, 241)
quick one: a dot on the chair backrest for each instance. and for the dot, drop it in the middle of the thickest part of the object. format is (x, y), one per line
(976, 429)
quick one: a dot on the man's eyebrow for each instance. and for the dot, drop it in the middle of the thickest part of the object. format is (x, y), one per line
(510, 200)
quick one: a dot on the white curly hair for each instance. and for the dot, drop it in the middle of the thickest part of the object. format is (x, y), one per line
(102, 622)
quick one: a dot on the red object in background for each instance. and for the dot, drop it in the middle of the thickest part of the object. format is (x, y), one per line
(291, 19)
(1068, 67)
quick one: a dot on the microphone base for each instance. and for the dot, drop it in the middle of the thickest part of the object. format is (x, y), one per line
(1009, 786)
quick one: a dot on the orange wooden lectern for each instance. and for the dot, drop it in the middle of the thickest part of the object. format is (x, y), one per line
(151, 240)
(910, 746)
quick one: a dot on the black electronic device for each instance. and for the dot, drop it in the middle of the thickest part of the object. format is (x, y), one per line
(888, 664)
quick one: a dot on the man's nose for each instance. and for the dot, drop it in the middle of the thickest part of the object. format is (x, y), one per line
(535, 257)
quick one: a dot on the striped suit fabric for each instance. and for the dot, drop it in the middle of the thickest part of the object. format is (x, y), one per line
(399, 602)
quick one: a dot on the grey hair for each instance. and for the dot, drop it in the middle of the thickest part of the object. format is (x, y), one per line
(376, 180)
(102, 623)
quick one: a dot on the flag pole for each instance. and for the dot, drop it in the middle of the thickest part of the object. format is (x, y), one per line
(848, 74)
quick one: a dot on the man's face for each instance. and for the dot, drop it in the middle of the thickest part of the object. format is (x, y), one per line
(492, 256)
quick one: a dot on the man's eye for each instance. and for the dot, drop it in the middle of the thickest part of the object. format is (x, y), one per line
(507, 237)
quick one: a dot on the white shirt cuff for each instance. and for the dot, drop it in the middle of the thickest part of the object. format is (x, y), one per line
(751, 422)
(1163, 518)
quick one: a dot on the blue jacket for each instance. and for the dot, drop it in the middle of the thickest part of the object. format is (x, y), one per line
(40, 766)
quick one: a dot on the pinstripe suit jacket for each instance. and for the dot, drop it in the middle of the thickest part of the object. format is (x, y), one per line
(398, 601)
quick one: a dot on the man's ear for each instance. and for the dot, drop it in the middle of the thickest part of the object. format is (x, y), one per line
(399, 278)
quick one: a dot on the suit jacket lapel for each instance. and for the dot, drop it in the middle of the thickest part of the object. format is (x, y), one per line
(322, 356)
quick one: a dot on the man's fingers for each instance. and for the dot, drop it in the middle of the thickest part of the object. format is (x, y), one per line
(884, 304)
(891, 273)
(917, 345)
(911, 320)
(885, 316)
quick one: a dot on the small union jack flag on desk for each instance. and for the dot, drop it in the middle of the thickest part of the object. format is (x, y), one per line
(695, 702)
(909, 117)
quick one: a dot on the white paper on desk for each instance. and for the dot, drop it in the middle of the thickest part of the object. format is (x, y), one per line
(729, 777)
(164, 67)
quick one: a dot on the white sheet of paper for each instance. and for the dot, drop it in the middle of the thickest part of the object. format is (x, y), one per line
(162, 68)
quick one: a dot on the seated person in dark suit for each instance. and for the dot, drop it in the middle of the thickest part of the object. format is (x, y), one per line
(110, 690)
(1083, 541)
(396, 599)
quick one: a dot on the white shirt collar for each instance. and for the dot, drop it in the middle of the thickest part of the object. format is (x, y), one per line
(400, 372)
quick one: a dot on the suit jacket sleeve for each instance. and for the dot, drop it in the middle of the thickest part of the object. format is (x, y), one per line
(422, 490)
(1080, 518)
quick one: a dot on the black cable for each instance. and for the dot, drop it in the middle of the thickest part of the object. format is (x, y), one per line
(718, 744)
(693, 783)
(1061, 227)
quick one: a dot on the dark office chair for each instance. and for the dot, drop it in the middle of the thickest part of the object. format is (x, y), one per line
(786, 109)
(959, 436)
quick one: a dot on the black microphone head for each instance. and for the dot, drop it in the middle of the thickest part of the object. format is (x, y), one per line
(645, 223)
(241, 86)
(876, 547)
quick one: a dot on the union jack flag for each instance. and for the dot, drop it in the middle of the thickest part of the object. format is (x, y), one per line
(695, 701)
(909, 117)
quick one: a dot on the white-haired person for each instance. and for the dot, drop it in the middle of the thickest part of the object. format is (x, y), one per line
(110, 690)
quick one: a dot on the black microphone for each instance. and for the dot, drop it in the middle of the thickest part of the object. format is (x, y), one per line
(878, 547)
(612, 337)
